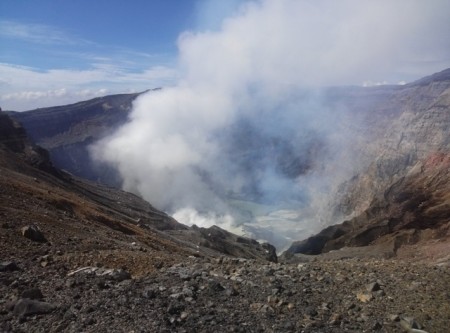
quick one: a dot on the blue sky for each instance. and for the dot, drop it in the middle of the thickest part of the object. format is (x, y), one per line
(60, 51)
(79, 29)
(55, 52)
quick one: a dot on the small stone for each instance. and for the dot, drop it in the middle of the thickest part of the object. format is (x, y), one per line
(409, 323)
(276, 291)
(215, 286)
(374, 286)
(26, 307)
(8, 266)
(34, 293)
(335, 319)
(364, 297)
(281, 303)
(231, 292)
(32, 232)
(288, 326)
(377, 326)
(310, 311)
(379, 293)
(102, 284)
(149, 293)
(69, 315)
(255, 306)
(266, 309)
(176, 296)
(89, 321)
(272, 299)
(118, 274)
(175, 308)
(394, 317)
(70, 283)
(363, 317)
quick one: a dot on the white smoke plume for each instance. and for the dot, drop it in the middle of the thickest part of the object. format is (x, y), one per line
(244, 139)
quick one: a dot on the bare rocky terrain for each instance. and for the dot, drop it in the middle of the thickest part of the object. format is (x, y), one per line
(402, 198)
(76, 256)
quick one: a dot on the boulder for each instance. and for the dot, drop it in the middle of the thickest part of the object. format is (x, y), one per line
(8, 266)
(27, 307)
(33, 293)
(33, 233)
(109, 273)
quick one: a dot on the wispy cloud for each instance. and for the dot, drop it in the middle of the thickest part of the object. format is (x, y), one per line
(38, 33)
(25, 88)
(71, 68)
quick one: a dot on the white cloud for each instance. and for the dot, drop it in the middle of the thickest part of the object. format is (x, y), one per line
(37, 33)
(21, 87)
(74, 64)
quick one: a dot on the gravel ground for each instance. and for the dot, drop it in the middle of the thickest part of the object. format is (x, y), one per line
(227, 295)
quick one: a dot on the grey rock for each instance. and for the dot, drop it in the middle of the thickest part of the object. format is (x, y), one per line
(89, 321)
(215, 286)
(377, 326)
(33, 293)
(26, 307)
(374, 286)
(111, 274)
(231, 292)
(409, 323)
(8, 266)
(69, 315)
(394, 317)
(175, 308)
(311, 312)
(149, 293)
(32, 232)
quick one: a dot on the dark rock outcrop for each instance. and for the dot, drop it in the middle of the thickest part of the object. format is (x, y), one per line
(67, 131)
(414, 209)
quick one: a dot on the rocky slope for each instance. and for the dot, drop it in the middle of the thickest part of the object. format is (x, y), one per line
(401, 198)
(65, 208)
(409, 125)
(67, 131)
(413, 210)
(225, 295)
(76, 257)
